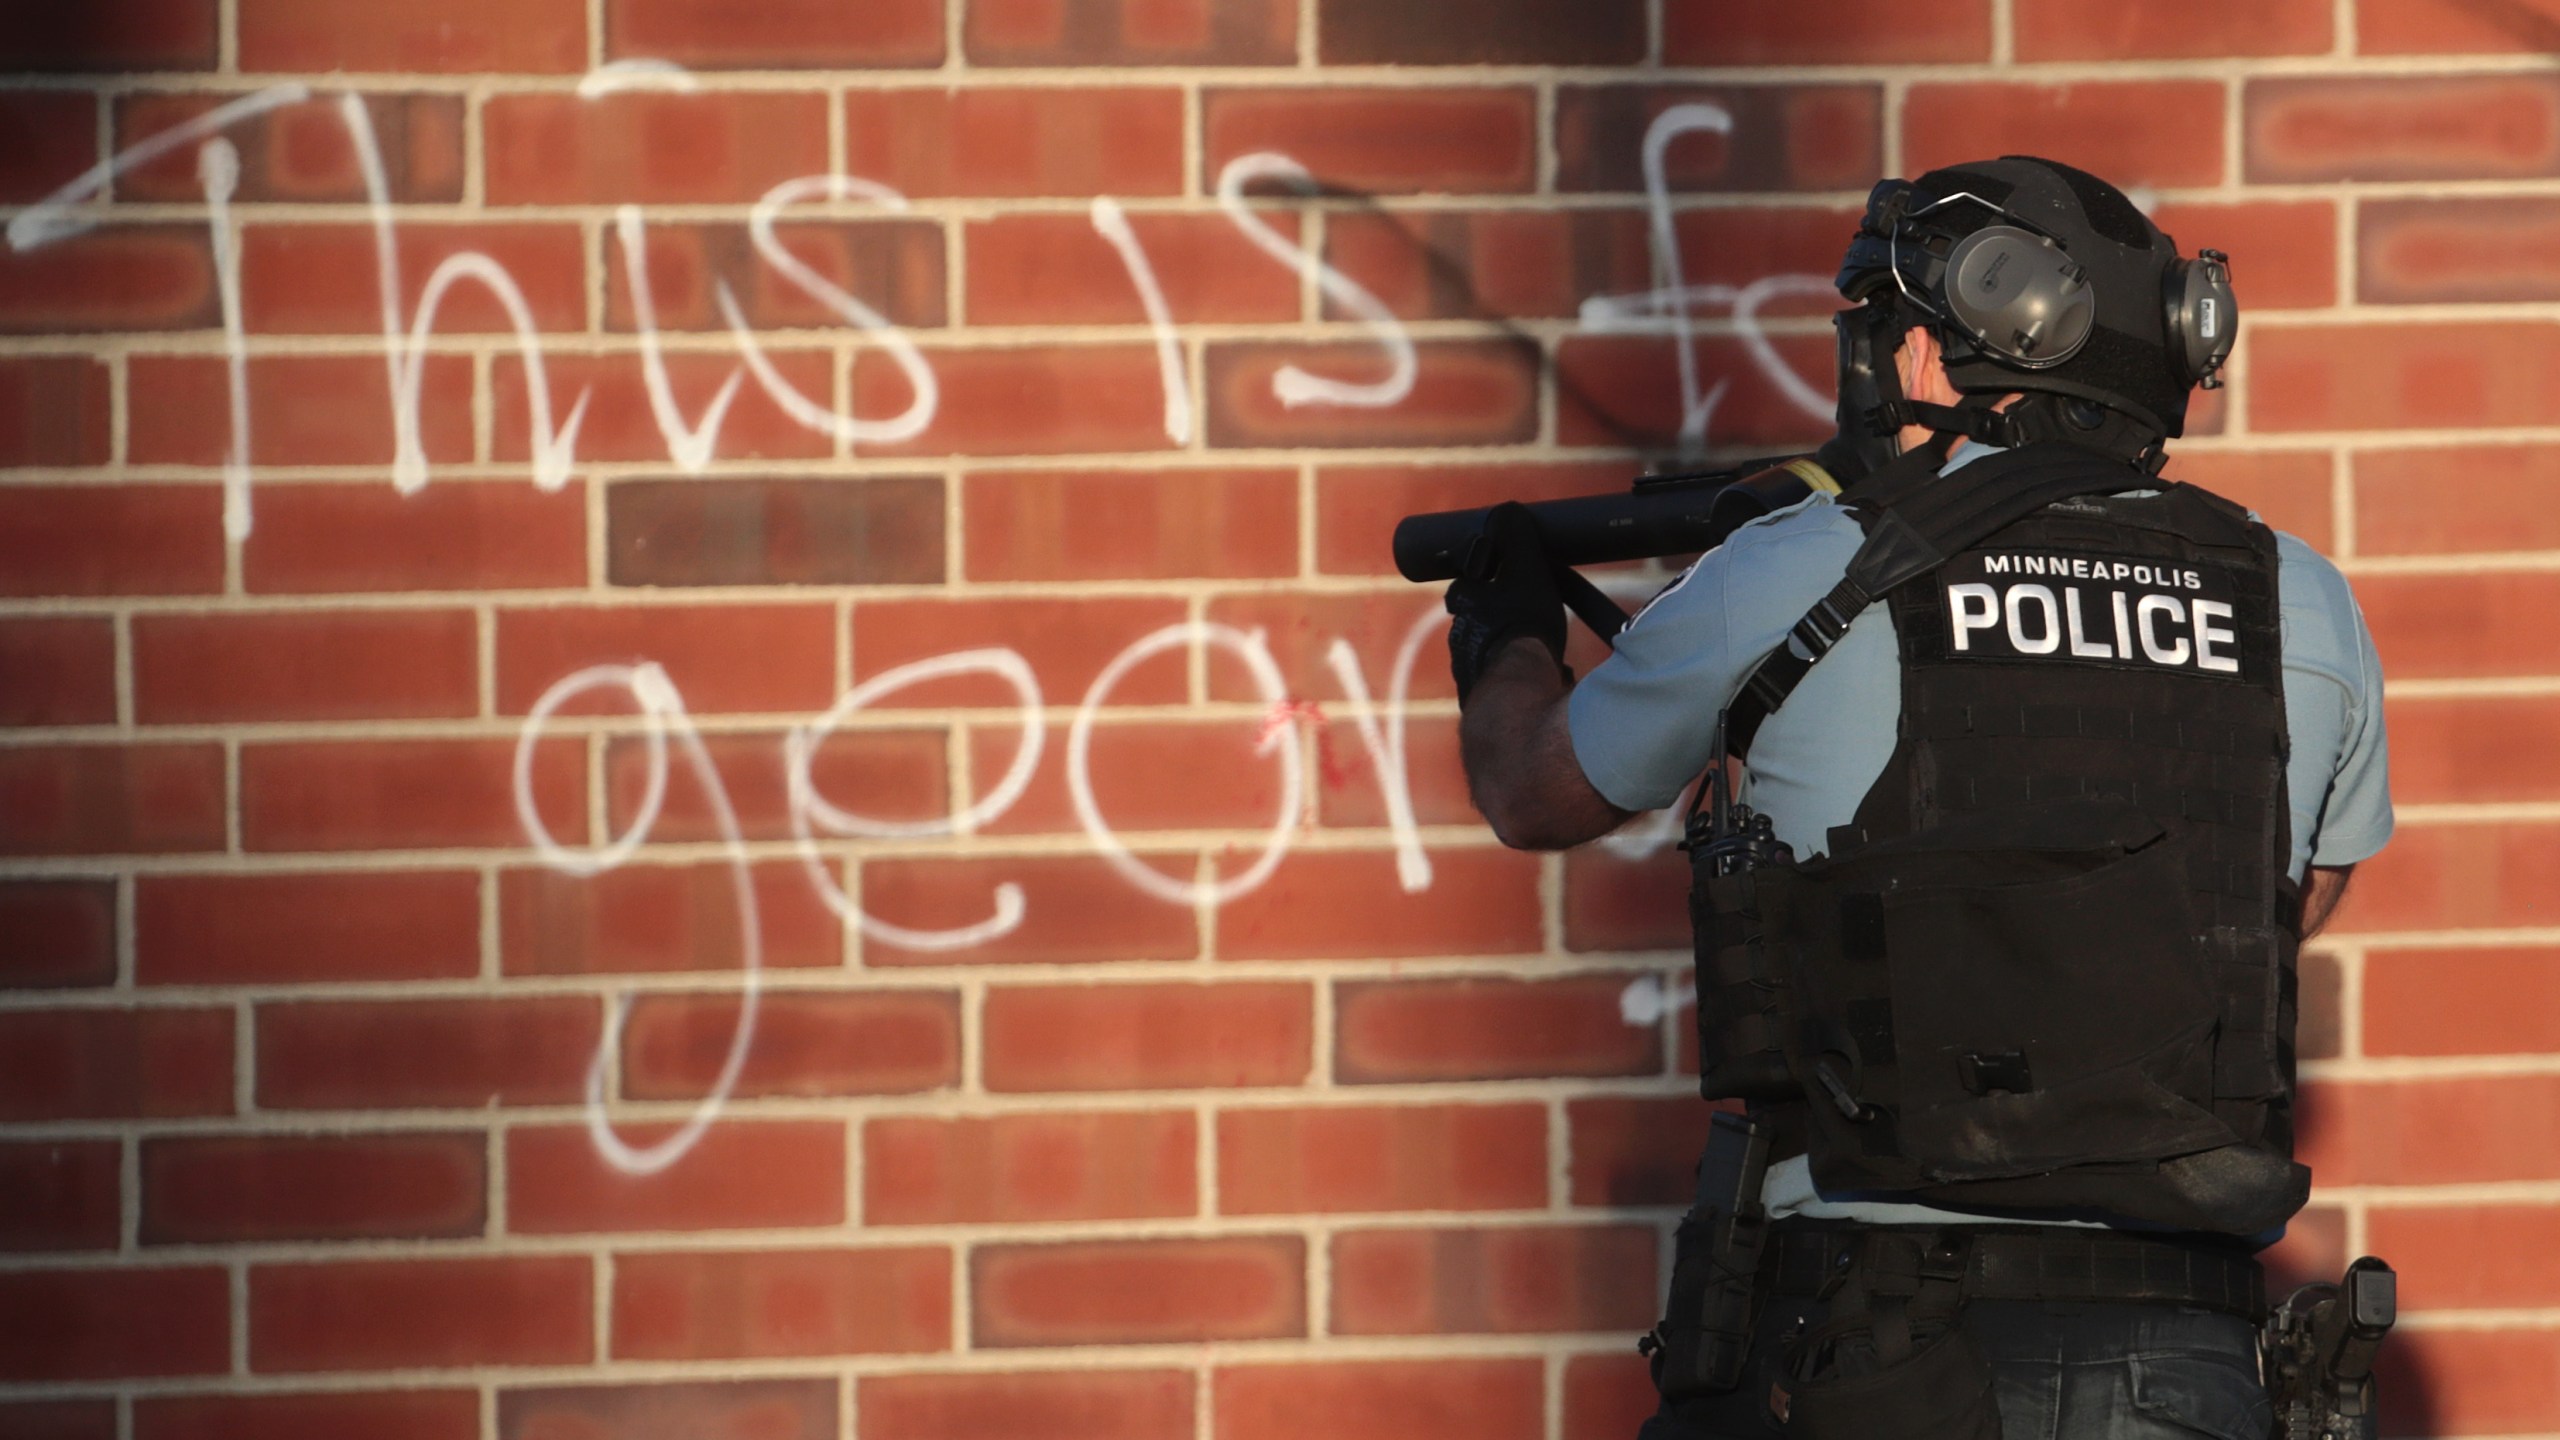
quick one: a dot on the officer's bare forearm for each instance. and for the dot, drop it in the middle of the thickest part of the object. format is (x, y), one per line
(2323, 887)
(1518, 750)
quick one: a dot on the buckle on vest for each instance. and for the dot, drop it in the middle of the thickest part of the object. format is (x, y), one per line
(1819, 630)
(1824, 624)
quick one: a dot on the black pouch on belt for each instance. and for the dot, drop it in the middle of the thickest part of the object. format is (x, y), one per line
(1893, 1362)
(1705, 1332)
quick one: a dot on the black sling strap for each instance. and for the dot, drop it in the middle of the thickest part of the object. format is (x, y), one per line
(1918, 522)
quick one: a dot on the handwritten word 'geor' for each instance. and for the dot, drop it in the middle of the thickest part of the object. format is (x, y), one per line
(664, 721)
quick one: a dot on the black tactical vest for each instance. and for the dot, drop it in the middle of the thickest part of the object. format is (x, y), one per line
(2051, 964)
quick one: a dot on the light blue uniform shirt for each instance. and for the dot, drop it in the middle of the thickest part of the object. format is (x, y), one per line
(1643, 720)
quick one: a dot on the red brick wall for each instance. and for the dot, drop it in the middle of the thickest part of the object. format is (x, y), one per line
(300, 1027)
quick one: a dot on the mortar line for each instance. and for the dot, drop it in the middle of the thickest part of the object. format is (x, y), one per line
(494, 1158)
(484, 408)
(601, 1276)
(599, 815)
(596, 509)
(244, 1058)
(233, 800)
(119, 412)
(594, 274)
(121, 623)
(236, 1276)
(2351, 975)
(2235, 147)
(837, 164)
(1559, 1158)
(971, 1000)
(1548, 161)
(475, 146)
(1896, 95)
(1310, 523)
(492, 966)
(1304, 73)
(1318, 1238)
(1195, 138)
(964, 1322)
(955, 526)
(129, 1196)
(484, 659)
(128, 944)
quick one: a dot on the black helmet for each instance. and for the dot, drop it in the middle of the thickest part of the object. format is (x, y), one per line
(2036, 278)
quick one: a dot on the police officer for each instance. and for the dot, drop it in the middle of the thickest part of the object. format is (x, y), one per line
(2054, 763)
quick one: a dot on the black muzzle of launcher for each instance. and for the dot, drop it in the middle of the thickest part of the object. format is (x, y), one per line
(1660, 515)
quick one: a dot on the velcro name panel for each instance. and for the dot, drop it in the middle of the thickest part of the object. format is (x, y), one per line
(2127, 611)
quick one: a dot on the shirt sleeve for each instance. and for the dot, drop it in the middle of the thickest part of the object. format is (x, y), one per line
(2357, 820)
(1635, 718)
(1644, 720)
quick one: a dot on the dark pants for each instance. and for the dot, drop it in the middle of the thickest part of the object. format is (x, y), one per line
(2066, 1371)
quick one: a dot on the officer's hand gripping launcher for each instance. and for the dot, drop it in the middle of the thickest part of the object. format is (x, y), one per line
(1661, 515)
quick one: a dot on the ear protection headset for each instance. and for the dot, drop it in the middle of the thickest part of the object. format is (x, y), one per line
(2008, 287)
(2012, 289)
(2203, 316)
(2009, 292)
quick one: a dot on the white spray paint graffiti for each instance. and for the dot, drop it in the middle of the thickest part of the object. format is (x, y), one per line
(554, 449)
(1675, 302)
(1385, 746)
(810, 811)
(58, 217)
(1648, 999)
(661, 710)
(689, 445)
(218, 164)
(1695, 409)
(692, 444)
(1294, 386)
(663, 713)
(1113, 224)
(1276, 738)
(640, 73)
(908, 423)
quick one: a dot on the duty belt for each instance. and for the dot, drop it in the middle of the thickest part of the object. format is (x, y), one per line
(2017, 1263)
